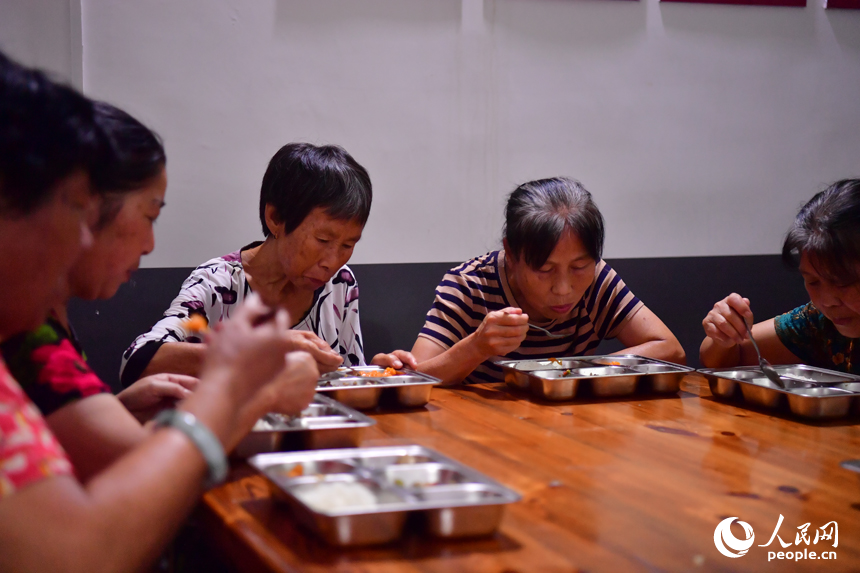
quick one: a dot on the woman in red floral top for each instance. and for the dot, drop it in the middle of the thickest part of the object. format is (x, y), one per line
(122, 518)
(94, 426)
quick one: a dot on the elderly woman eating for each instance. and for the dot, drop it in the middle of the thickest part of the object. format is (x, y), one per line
(547, 293)
(314, 203)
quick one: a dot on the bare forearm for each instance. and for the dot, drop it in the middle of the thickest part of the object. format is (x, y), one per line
(177, 358)
(455, 364)
(713, 355)
(668, 350)
(95, 432)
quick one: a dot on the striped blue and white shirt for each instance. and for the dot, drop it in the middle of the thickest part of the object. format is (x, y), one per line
(470, 291)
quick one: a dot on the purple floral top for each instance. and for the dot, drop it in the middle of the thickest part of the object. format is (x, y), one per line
(216, 288)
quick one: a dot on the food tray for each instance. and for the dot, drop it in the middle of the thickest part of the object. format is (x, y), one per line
(324, 424)
(809, 391)
(447, 498)
(602, 376)
(357, 389)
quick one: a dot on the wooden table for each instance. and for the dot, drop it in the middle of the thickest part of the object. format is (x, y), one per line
(620, 485)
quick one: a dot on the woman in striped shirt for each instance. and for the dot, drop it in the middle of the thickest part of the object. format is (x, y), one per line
(549, 274)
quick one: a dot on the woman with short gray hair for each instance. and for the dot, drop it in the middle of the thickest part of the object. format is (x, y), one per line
(550, 274)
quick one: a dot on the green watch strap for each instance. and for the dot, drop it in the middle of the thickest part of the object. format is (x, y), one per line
(210, 447)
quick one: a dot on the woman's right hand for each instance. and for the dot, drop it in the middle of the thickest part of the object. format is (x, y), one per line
(326, 358)
(501, 332)
(247, 372)
(724, 324)
(247, 351)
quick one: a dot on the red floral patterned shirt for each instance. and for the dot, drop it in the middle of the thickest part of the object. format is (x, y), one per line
(28, 450)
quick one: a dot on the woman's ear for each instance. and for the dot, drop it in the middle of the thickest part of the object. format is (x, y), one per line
(509, 255)
(276, 228)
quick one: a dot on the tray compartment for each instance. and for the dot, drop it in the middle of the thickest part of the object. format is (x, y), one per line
(606, 376)
(660, 378)
(387, 484)
(407, 388)
(810, 392)
(324, 424)
(820, 402)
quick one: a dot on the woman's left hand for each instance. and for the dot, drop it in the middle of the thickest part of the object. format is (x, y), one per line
(150, 394)
(396, 359)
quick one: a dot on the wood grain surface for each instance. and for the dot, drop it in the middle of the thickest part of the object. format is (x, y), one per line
(633, 484)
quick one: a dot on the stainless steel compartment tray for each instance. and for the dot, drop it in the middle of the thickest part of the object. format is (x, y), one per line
(353, 387)
(324, 424)
(609, 375)
(362, 496)
(809, 392)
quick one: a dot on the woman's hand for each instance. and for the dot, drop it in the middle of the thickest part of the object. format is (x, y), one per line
(501, 332)
(724, 324)
(289, 393)
(151, 394)
(326, 358)
(395, 359)
(246, 352)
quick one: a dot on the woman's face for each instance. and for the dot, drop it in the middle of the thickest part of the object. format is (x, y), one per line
(118, 246)
(840, 303)
(41, 248)
(317, 248)
(551, 292)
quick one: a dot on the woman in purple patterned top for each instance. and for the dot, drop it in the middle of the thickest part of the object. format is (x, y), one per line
(314, 203)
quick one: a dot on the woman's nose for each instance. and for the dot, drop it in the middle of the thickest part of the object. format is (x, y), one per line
(148, 243)
(328, 259)
(561, 287)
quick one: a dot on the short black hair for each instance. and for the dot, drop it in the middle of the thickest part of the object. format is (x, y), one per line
(47, 132)
(538, 212)
(137, 157)
(827, 229)
(302, 177)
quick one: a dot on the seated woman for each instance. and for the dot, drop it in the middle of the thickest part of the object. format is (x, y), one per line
(824, 244)
(91, 424)
(550, 275)
(49, 520)
(314, 203)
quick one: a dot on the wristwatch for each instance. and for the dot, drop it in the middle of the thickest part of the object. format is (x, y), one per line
(209, 446)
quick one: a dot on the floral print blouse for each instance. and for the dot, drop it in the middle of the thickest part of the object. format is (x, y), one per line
(810, 336)
(29, 451)
(50, 366)
(216, 288)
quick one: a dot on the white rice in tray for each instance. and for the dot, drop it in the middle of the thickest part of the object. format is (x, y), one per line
(332, 496)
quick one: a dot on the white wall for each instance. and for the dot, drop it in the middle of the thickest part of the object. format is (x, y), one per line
(699, 128)
(43, 33)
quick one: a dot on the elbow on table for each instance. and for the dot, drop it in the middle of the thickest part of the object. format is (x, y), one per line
(680, 355)
(675, 352)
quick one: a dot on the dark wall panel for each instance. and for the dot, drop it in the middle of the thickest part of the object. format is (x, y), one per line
(395, 297)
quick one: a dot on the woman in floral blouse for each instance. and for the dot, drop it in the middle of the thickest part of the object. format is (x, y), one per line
(314, 203)
(824, 244)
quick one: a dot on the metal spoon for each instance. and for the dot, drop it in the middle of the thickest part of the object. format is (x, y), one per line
(547, 332)
(853, 465)
(763, 364)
